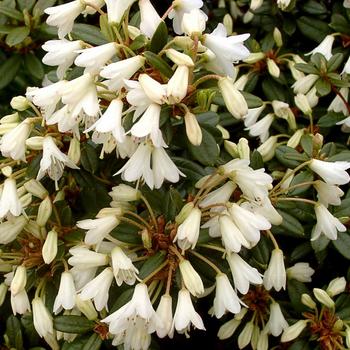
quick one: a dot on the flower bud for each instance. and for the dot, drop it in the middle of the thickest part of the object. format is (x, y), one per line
(295, 138)
(179, 58)
(277, 36)
(338, 325)
(272, 67)
(317, 141)
(3, 291)
(267, 149)
(293, 331)
(178, 84)
(134, 32)
(224, 132)
(255, 4)
(185, 211)
(146, 238)
(336, 286)
(228, 23)
(26, 200)
(152, 88)
(307, 301)
(35, 143)
(10, 118)
(5, 128)
(303, 104)
(246, 335)
(347, 336)
(6, 171)
(20, 103)
(86, 307)
(165, 313)
(243, 148)
(115, 211)
(36, 188)
(74, 150)
(193, 130)
(191, 278)
(44, 211)
(227, 329)
(33, 228)
(183, 42)
(125, 193)
(254, 57)
(322, 296)
(231, 148)
(19, 280)
(49, 250)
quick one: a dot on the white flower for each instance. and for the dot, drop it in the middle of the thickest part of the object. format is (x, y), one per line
(80, 94)
(220, 195)
(283, 4)
(336, 286)
(326, 224)
(252, 115)
(303, 104)
(11, 228)
(303, 85)
(188, 232)
(268, 148)
(98, 229)
(243, 274)
(261, 128)
(41, 318)
(276, 323)
(180, 8)
(191, 278)
(116, 9)
(324, 48)
(98, 289)
(19, 280)
(333, 173)
(49, 249)
(293, 331)
(193, 129)
(53, 161)
(155, 91)
(275, 275)
(301, 271)
(9, 200)
(125, 193)
(148, 124)
(227, 50)
(83, 258)
(118, 71)
(123, 268)
(63, 16)
(178, 84)
(20, 303)
(82, 276)
(66, 294)
(185, 314)
(94, 58)
(226, 298)
(164, 168)
(346, 4)
(338, 105)
(328, 194)
(150, 19)
(165, 313)
(13, 143)
(194, 22)
(61, 53)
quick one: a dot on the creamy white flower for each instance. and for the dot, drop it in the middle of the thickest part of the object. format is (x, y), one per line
(185, 314)
(66, 293)
(228, 328)
(226, 298)
(328, 194)
(20, 303)
(9, 200)
(61, 53)
(82, 276)
(80, 94)
(301, 271)
(275, 275)
(98, 229)
(65, 121)
(312, 97)
(227, 50)
(191, 278)
(276, 323)
(336, 286)
(63, 16)
(50, 247)
(125, 193)
(83, 258)
(326, 224)
(178, 84)
(42, 319)
(53, 160)
(19, 280)
(273, 68)
(180, 8)
(98, 289)
(116, 9)
(338, 105)
(333, 173)
(155, 91)
(261, 128)
(194, 22)
(324, 48)
(179, 58)
(165, 313)
(293, 331)
(188, 232)
(255, 4)
(150, 19)
(10, 229)
(13, 143)
(283, 4)
(243, 274)
(220, 195)
(118, 71)
(268, 148)
(303, 85)
(252, 115)
(123, 268)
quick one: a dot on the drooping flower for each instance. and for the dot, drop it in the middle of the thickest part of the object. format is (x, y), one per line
(275, 275)
(150, 19)
(261, 128)
(42, 319)
(116, 9)
(66, 293)
(191, 278)
(178, 84)
(333, 173)
(123, 268)
(9, 200)
(20, 302)
(19, 280)
(328, 194)
(324, 48)
(194, 22)
(83, 258)
(165, 313)
(49, 249)
(10, 229)
(276, 323)
(301, 271)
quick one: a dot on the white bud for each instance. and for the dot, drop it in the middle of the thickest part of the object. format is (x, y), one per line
(191, 278)
(5, 128)
(302, 103)
(178, 84)
(231, 148)
(193, 130)
(35, 143)
(322, 296)
(293, 331)
(228, 23)
(179, 58)
(49, 250)
(20, 103)
(224, 132)
(267, 149)
(277, 36)
(125, 193)
(44, 211)
(307, 301)
(35, 188)
(254, 57)
(185, 211)
(295, 138)
(243, 148)
(86, 307)
(273, 68)
(336, 286)
(3, 291)
(19, 280)
(74, 150)
(7, 171)
(10, 118)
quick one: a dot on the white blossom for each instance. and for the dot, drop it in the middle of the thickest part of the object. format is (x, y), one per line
(42, 319)
(275, 275)
(194, 22)
(191, 278)
(324, 48)
(300, 271)
(261, 128)
(9, 200)
(20, 303)
(276, 323)
(123, 268)
(116, 9)
(66, 293)
(165, 313)
(333, 173)
(150, 19)
(328, 194)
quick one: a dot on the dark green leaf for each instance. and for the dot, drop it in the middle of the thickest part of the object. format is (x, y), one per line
(158, 63)
(89, 158)
(41, 5)
(341, 156)
(295, 290)
(330, 119)
(323, 87)
(152, 263)
(25, 4)
(313, 28)
(192, 170)
(256, 160)
(252, 100)
(304, 176)
(17, 35)
(14, 332)
(34, 66)
(334, 62)
(210, 118)
(344, 209)
(314, 7)
(73, 324)
(289, 157)
(342, 244)
(300, 345)
(261, 252)
(122, 299)
(273, 90)
(10, 12)
(307, 68)
(290, 225)
(301, 251)
(8, 70)
(5, 29)
(306, 142)
(88, 33)
(127, 234)
(173, 204)
(139, 42)
(93, 343)
(340, 24)
(159, 38)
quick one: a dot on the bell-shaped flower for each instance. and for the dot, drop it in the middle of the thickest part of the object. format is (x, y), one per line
(178, 84)
(9, 200)
(276, 323)
(333, 173)
(338, 105)
(116, 9)
(226, 298)
(185, 314)
(261, 128)
(303, 85)
(98, 289)
(328, 194)
(150, 19)
(42, 319)
(20, 303)
(10, 229)
(252, 116)
(275, 275)
(94, 58)
(123, 268)
(194, 22)
(220, 195)
(324, 48)
(155, 91)
(165, 313)
(301, 272)
(243, 274)
(191, 278)
(63, 16)
(61, 53)
(336, 286)
(227, 50)
(326, 224)
(83, 258)
(66, 293)
(19, 280)
(82, 276)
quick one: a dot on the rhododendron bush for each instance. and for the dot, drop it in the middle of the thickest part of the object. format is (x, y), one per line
(175, 170)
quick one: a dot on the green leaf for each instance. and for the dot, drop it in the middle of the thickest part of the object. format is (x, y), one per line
(73, 324)
(34, 66)
(334, 62)
(122, 299)
(25, 4)
(304, 176)
(173, 204)
(301, 251)
(343, 210)
(127, 234)
(330, 119)
(289, 157)
(306, 142)
(159, 38)
(41, 5)
(261, 252)
(312, 28)
(93, 343)
(256, 161)
(210, 118)
(192, 170)
(152, 264)
(320, 244)
(17, 35)
(158, 63)
(290, 225)
(14, 332)
(314, 7)
(207, 152)
(252, 100)
(342, 156)
(88, 33)
(8, 70)
(323, 87)
(12, 13)
(106, 29)
(300, 345)
(307, 68)
(295, 290)
(342, 244)
(5, 29)
(89, 158)
(273, 90)
(340, 24)
(139, 42)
